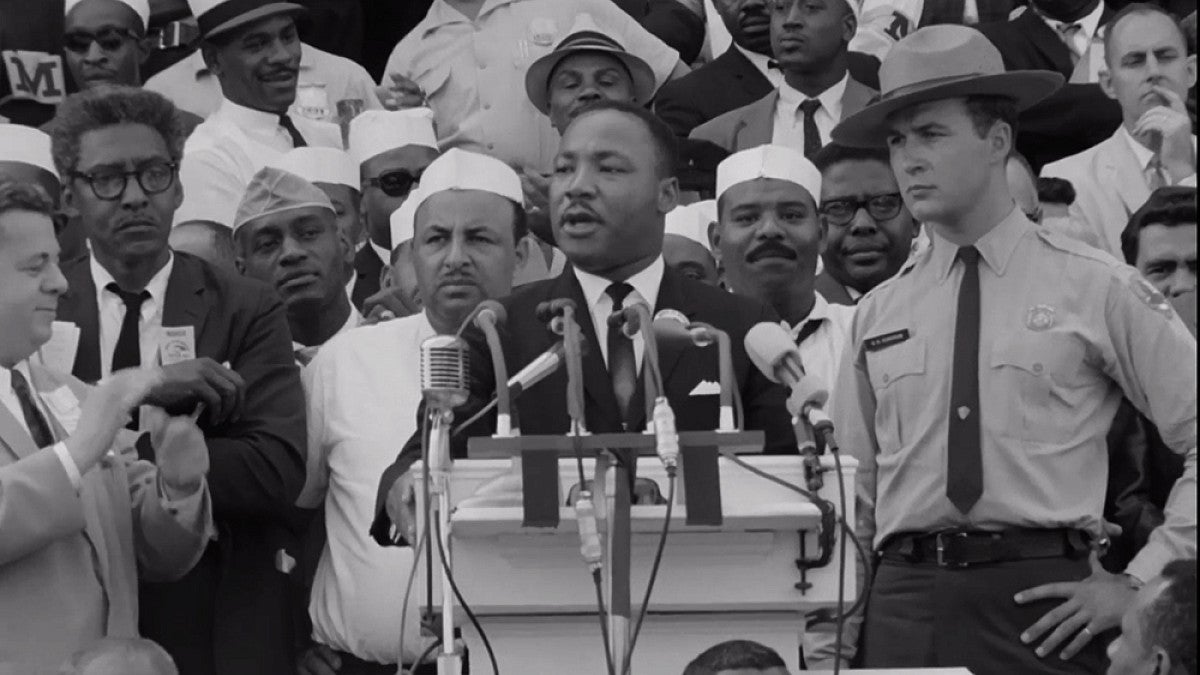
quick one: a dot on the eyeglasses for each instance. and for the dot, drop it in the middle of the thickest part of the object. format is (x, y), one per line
(396, 183)
(879, 207)
(109, 39)
(110, 184)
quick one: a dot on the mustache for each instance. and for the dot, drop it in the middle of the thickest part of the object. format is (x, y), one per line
(769, 249)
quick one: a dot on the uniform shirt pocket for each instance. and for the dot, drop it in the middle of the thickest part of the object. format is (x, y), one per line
(897, 374)
(1040, 379)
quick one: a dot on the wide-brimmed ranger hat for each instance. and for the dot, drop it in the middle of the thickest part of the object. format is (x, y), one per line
(940, 62)
(585, 36)
(217, 17)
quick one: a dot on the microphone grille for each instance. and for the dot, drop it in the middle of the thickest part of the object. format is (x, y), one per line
(444, 366)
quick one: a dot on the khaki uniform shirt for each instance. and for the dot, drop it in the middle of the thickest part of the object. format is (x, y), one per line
(1066, 329)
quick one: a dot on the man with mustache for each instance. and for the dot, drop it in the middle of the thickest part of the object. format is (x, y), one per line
(869, 231)
(226, 355)
(810, 40)
(979, 385)
(1148, 72)
(253, 48)
(465, 222)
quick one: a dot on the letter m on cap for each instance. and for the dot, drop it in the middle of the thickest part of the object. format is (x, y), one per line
(35, 76)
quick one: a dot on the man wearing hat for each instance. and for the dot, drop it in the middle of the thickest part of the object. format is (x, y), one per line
(392, 150)
(286, 235)
(25, 157)
(467, 219)
(769, 238)
(335, 173)
(979, 385)
(254, 49)
(226, 355)
(810, 42)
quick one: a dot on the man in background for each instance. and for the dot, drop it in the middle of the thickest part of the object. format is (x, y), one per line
(1158, 632)
(737, 657)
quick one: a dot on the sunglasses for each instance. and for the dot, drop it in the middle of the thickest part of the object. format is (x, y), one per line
(880, 207)
(396, 183)
(109, 39)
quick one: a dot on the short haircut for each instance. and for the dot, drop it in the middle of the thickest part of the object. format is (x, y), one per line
(734, 655)
(1139, 8)
(986, 110)
(834, 153)
(1167, 206)
(15, 196)
(1054, 190)
(109, 106)
(666, 146)
(1170, 620)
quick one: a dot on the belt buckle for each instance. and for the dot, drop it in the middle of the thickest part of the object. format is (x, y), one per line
(940, 540)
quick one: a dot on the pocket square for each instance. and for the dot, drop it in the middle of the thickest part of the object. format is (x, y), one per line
(706, 388)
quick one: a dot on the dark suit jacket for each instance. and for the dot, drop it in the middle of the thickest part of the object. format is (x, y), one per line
(367, 270)
(1076, 117)
(728, 82)
(671, 22)
(229, 615)
(543, 408)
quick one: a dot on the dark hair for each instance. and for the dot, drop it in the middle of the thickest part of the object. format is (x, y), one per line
(1170, 620)
(665, 144)
(20, 196)
(1169, 206)
(108, 106)
(1140, 8)
(733, 655)
(834, 153)
(986, 110)
(1052, 190)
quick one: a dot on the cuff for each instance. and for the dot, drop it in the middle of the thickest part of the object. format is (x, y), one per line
(68, 463)
(184, 507)
(1149, 563)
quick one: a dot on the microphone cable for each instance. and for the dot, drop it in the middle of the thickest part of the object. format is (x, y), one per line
(658, 554)
(408, 586)
(608, 660)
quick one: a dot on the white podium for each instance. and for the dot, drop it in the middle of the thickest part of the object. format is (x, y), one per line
(534, 597)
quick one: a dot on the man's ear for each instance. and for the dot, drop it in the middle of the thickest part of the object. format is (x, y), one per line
(523, 249)
(668, 195)
(143, 49)
(714, 240)
(1105, 81)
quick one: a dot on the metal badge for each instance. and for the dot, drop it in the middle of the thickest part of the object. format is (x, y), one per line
(542, 31)
(1147, 293)
(1039, 317)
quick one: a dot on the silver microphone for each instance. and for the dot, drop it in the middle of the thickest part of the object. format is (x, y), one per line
(444, 366)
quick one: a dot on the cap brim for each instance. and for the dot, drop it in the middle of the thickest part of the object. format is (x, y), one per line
(253, 15)
(537, 78)
(867, 128)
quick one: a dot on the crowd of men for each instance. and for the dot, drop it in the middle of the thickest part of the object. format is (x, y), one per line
(976, 220)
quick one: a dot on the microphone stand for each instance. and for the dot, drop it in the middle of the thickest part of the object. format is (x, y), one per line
(438, 471)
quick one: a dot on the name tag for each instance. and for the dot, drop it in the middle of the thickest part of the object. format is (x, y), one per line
(176, 344)
(874, 344)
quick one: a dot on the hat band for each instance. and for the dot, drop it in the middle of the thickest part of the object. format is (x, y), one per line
(222, 13)
(934, 83)
(588, 39)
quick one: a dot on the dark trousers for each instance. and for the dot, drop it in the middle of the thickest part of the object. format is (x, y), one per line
(352, 665)
(924, 616)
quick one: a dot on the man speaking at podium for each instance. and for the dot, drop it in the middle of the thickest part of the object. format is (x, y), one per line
(613, 182)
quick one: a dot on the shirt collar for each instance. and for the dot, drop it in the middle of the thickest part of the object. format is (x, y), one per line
(819, 312)
(1090, 23)
(759, 61)
(248, 119)
(996, 248)
(831, 99)
(1143, 154)
(157, 286)
(352, 321)
(646, 283)
(441, 13)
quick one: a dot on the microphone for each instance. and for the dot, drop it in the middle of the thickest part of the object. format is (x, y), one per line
(772, 351)
(541, 367)
(444, 363)
(486, 315)
(489, 312)
(671, 324)
(551, 312)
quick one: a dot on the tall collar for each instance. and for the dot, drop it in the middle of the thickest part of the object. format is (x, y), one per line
(819, 312)
(996, 248)
(831, 99)
(1090, 23)
(248, 119)
(157, 286)
(646, 283)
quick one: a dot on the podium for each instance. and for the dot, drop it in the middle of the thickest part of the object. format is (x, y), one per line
(531, 592)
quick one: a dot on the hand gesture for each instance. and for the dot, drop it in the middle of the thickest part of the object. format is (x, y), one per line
(179, 451)
(401, 509)
(200, 380)
(107, 410)
(402, 93)
(1167, 129)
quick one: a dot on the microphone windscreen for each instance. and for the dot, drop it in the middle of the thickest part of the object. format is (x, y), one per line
(767, 344)
(444, 368)
(498, 312)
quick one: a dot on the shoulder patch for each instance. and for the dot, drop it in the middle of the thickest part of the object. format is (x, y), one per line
(1148, 294)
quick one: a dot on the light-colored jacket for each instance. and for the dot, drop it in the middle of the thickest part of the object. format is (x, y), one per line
(70, 561)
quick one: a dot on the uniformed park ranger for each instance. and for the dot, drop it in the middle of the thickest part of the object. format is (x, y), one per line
(980, 383)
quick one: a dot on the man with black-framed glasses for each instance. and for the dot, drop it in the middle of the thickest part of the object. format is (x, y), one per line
(870, 232)
(226, 355)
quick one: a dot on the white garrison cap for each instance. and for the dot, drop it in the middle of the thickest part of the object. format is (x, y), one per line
(140, 7)
(19, 143)
(274, 191)
(692, 221)
(320, 165)
(377, 131)
(456, 169)
(768, 161)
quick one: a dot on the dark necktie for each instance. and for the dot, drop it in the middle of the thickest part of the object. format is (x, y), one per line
(288, 126)
(39, 428)
(812, 137)
(128, 352)
(811, 326)
(622, 362)
(964, 456)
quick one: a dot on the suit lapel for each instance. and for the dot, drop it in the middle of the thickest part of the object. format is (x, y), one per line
(1124, 174)
(596, 382)
(184, 304)
(1045, 40)
(749, 78)
(78, 304)
(13, 435)
(856, 97)
(757, 126)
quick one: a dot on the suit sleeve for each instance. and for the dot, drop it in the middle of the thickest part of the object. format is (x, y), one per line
(672, 105)
(257, 463)
(169, 537)
(765, 404)
(38, 505)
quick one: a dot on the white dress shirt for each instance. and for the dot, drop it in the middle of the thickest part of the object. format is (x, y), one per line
(1145, 156)
(821, 351)
(352, 321)
(763, 65)
(9, 399)
(111, 310)
(363, 389)
(789, 121)
(600, 305)
(228, 148)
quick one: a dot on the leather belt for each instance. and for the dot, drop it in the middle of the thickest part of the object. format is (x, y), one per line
(968, 548)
